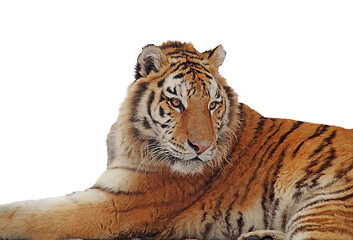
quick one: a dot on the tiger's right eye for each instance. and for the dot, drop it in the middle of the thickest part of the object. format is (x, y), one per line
(176, 103)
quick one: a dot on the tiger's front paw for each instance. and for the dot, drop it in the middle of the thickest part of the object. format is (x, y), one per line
(263, 235)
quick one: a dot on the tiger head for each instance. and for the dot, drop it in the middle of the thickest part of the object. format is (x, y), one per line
(179, 112)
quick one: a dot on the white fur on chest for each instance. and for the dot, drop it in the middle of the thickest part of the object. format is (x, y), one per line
(116, 180)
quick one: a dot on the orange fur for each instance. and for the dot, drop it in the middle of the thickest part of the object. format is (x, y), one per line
(268, 177)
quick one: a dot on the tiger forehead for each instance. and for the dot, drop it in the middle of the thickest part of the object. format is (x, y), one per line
(189, 84)
(191, 67)
(181, 51)
(189, 74)
(189, 61)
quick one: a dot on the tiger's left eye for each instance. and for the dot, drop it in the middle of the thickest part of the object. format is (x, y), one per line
(213, 105)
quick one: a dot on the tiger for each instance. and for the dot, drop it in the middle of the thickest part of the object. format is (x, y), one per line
(187, 160)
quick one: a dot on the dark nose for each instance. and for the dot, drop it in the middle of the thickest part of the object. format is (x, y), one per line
(199, 147)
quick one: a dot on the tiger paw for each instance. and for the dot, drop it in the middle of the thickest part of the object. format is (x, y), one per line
(263, 235)
(256, 238)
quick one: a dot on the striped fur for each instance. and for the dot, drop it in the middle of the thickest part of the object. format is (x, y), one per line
(186, 160)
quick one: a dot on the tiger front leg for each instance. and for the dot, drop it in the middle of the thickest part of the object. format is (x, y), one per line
(89, 214)
(93, 214)
(263, 235)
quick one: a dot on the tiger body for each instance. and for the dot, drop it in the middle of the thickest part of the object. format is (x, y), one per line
(186, 160)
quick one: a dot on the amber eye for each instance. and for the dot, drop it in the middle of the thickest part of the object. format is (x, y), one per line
(213, 105)
(176, 103)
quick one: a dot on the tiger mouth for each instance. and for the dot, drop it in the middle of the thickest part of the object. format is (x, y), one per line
(195, 159)
(174, 160)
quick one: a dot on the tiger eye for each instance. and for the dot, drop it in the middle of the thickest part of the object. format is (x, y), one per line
(175, 102)
(213, 105)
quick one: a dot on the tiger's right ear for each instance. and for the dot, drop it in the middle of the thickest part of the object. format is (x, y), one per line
(150, 59)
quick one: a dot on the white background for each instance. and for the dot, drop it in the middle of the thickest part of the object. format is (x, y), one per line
(65, 67)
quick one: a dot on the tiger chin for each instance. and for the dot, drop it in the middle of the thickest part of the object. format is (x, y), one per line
(187, 160)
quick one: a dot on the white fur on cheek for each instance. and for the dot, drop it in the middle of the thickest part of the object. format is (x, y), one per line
(179, 86)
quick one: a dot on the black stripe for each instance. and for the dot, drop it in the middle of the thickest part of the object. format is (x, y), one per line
(268, 138)
(251, 228)
(254, 174)
(264, 203)
(211, 52)
(172, 44)
(268, 192)
(227, 218)
(160, 83)
(310, 228)
(258, 130)
(168, 234)
(136, 133)
(208, 76)
(275, 174)
(328, 162)
(191, 91)
(218, 93)
(162, 98)
(199, 68)
(339, 199)
(276, 201)
(327, 141)
(204, 216)
(149, 103)
(141, 88)
(302, 182)
(177, 68)
(180, 75)
(284, 218)
(181, 53)
(325, 161)
(150, 65)
(242, 119)
(343, 171)
(218, 212)
(230, 95)
(320, 130)
(329, 201)
(208, 227)
(137, 72)
(174, 92)
(283, 137)
(146, 124)
(268, 201)
(260, 126)
(161, 112)
(240, 223)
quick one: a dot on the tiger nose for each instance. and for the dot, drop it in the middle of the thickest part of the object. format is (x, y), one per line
(199, 147)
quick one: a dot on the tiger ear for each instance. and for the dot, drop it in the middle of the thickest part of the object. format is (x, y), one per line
(150, 59)
(215, 57)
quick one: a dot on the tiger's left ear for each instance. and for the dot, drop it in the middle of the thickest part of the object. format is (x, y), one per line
(215, 57)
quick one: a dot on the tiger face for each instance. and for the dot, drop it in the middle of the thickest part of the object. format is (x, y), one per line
(179, 110)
